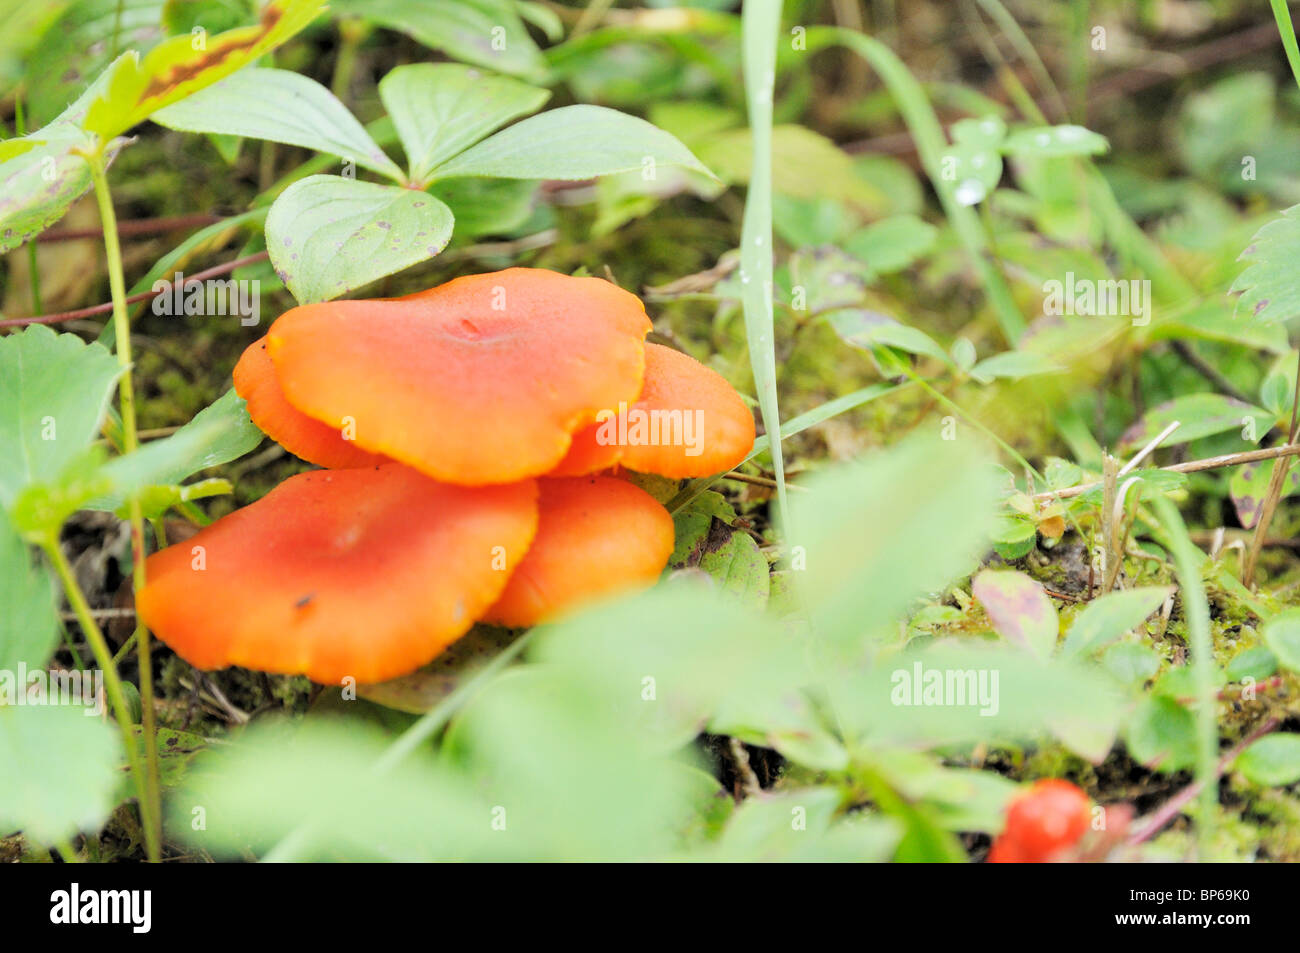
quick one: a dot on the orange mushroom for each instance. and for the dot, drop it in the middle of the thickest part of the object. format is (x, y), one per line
(480, 380)
(313, 441)
(367, 573)
(688, 422)
(595, 536)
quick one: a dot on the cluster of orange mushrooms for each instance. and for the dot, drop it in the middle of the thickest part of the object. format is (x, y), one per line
(472, 439)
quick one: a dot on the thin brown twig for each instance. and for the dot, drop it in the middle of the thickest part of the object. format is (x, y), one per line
(107, 306)
(1189, 466)
(140, 226)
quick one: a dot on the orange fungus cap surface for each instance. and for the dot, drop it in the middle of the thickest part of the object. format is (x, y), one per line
(367, 573)
(480, 380)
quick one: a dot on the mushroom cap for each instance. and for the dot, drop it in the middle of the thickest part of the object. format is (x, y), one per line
(364, 573)
(713, 432)
(480, 380)
(304, 437)
(596, 536)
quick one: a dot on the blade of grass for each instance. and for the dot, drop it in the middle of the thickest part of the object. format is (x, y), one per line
(761, 19)
(930, 145)
(1187, 562)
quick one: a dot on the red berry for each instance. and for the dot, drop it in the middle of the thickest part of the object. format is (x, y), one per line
(1049, 817)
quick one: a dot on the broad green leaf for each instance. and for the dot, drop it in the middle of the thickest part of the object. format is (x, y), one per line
(329, 235)
(39, 178)
(1272, 761)
(892, 244)
(1270, 284)
(867, 329)
(1131, 662)
(1108, 618)
(801, 825)
(1255, 662)
(974, 691)
(1054, 141)
(1282, 635)
(139, 86)
(54, 392)
(483, 32)
(805, 164)
(487, 206)
(1013, 365)
(320, 778)
(441, 109)
(573, 142)
(784, 722)
(573, 774)
(672, 657)
(858, 584)
(708, 539)
(1199, 415)
(29, 628)
(1161, 734)
(1020, 610)
(60, 771)
(281, 106)
(219, 433)
(986, 132)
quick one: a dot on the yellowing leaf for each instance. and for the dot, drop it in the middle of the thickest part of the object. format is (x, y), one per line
(185, 64)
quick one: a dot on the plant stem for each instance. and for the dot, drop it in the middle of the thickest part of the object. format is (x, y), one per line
(112, 682)
(1276, 480)
(151, 802)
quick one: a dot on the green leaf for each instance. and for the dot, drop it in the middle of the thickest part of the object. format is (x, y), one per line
(1020, 610)
(54, 392)
(1131, 662)
(861, 328)
(800, 825)
(969, 173)
(1108, 618)
(1273, 761)
(328, 235)
(60, 771)
(442, 109)
(1199, 415)
(1054, 141)
(29, 628)
(139, 86)
(281, 106)
(219, 433)
(707, 539)
(487, 206)
(892, 244)
(323, 773)
(857, 584)
(158, 499)
(483, 32)
(1161, 734)
(1013, 365)
(1255, 662)
(1270, 284)
(573, 142)
(1282, 635)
